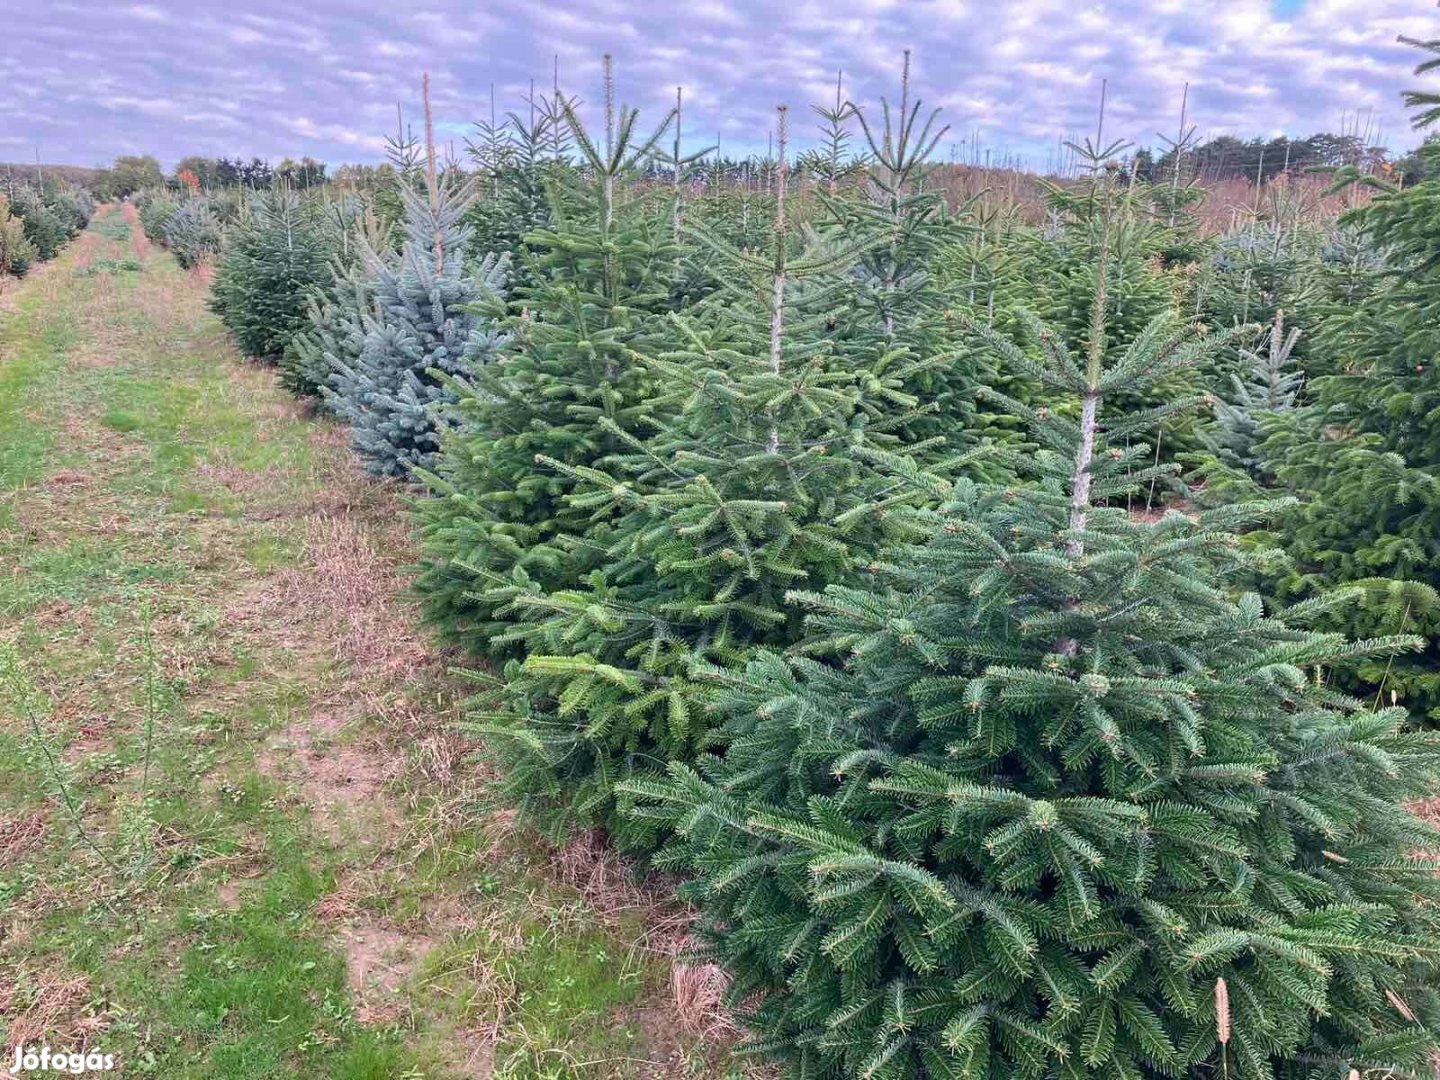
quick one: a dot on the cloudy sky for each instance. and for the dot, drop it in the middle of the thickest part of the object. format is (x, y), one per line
(84, 81)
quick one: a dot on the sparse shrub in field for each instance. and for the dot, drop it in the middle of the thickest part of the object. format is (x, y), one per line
(275, 256)
(16, 250)
(110, 266)
(192, 233)
(425, 326)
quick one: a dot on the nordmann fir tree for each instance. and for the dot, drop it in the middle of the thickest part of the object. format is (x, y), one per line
(1272, 387)
(1365, 451)
(693, 278)
(896, 303)
(494, 526)
(1065, 807)
(897, 208)
(1010, 269)
(276, 254)
(427, 325)
(833, 163)
(765, 477)
(520, 178)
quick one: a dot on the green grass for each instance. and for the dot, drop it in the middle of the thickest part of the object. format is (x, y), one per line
(154, 532)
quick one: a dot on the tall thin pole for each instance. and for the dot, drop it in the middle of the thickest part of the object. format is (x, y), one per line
(430, 177)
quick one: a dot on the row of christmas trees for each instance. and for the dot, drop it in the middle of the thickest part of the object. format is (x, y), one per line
(37, 219)
(812, 537)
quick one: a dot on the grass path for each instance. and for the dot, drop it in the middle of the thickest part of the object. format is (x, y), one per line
(280, 860)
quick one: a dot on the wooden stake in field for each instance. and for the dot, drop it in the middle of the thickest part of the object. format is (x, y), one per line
(777, 312)
(432, 181)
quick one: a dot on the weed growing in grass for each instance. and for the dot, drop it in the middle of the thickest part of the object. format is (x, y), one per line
(132, 853)
(111, 267)
(24, 698)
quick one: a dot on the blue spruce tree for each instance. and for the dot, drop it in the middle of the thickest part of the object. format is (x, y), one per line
(429, 320)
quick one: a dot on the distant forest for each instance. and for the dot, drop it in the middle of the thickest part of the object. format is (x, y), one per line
(1223, 157)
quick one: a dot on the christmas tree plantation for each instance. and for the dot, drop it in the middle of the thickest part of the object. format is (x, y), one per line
(821, 535)
(1068, 806)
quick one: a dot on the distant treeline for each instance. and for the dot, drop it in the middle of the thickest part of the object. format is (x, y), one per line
(1226, 157)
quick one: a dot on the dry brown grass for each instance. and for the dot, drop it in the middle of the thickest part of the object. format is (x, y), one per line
(699, 994)
(87, 246)
(50, 1006)
(19, 837)
(1020, 196)
(611, 888)
(345, 595)
(1427, 810)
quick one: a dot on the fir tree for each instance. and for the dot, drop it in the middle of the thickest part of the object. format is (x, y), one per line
(1272, 387)
(192, 233)
(520, 176)
(1362, 455)
(46, 229)
(16, 250)
(601, 271)
(907, 219)
(771, 471)
(896, 301)
(428, 326)
(1255, 270)
(833, 162)
(1066, 807)
(276, 255)
(333, 333)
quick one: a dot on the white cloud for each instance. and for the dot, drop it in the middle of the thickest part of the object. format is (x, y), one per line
(196, 76)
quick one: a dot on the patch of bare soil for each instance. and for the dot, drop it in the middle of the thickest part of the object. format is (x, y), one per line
(92, 737)
(380, 957)
(344, 785)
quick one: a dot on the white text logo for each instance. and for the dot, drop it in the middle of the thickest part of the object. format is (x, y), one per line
(31, 1060)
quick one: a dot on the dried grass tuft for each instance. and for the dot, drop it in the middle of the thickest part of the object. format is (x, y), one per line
(49, 1007)
(699, 993)
(19, 837)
